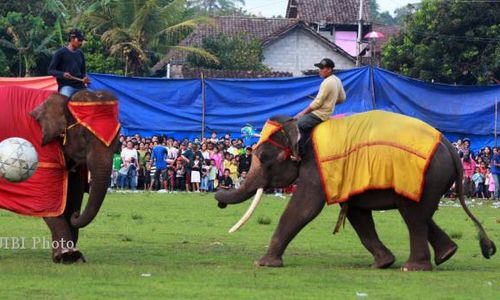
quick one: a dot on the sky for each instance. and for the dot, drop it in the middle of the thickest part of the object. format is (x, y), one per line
(269, 8)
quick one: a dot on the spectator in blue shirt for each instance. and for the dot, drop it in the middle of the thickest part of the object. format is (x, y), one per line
(159, 157)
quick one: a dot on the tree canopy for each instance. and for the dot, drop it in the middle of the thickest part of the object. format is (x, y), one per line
(234, 52)
(448, 41)
(120, 39)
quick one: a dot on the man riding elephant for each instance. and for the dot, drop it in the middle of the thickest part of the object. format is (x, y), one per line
(68, 65)
(330, 93)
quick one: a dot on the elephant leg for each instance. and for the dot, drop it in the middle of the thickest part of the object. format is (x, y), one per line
(63, 248)
(362, 221)
(76, 189)
(417, 220)
(303, 207)
(64, 236)
(443, 246)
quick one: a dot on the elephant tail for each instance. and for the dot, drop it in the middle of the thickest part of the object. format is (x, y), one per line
(488, 248)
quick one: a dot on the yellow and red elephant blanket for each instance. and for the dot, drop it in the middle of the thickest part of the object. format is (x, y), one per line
(373, 150)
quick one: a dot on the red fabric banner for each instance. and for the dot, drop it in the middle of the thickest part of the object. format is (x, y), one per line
(43, 83)
(101, 118)
(44, 194)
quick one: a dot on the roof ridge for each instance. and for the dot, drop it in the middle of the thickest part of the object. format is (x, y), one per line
(248, 17)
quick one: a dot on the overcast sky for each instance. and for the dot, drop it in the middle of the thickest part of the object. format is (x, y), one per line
(270, 8)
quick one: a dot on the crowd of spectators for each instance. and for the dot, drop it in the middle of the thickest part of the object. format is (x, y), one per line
(165, 164)
(160, 163)
(481, 171)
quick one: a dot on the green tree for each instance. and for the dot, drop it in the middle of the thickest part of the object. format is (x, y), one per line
(234, 53)
(378, 17)
(216, 7)
(27, 36)
(402, 13)
(450, 42)
(4, 64)
(98, 59)
(143, 30)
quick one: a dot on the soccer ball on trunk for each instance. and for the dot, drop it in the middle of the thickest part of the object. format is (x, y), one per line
(18, 159)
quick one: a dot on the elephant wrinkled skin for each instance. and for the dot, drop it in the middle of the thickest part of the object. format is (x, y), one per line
(271, 167)
(82, 151)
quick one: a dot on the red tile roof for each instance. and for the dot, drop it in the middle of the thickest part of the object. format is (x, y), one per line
(332, 11)
(265, 29)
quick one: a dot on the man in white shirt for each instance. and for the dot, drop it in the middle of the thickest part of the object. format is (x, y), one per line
(128, 152)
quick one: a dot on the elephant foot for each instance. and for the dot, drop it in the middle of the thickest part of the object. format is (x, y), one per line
(266, 261)
(411, 266)
(445, 255)
(384, 261)
(68, 256)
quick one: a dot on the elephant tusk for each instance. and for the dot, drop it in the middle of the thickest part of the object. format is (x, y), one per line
(249, 212)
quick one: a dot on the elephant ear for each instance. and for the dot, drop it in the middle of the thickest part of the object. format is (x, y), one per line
(293, 132)
(52, 117)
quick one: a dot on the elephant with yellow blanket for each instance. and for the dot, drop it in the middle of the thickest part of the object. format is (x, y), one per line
(370, 161)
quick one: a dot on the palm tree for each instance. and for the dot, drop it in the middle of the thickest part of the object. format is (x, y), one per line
(143, 29)
(28, 36)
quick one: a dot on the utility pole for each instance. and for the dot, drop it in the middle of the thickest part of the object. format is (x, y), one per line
(360, 31)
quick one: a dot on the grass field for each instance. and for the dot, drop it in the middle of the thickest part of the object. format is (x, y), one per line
(176, 246)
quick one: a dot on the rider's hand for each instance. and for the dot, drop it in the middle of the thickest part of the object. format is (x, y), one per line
(86, 80)
(67, 75)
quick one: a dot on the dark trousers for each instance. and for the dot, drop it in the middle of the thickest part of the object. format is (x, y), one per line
(306, 125)
(308, 122)
(180, 183)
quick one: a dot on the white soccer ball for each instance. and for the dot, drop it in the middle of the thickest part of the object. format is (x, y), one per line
(18, 159)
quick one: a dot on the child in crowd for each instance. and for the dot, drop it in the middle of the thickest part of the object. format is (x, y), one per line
(226, 182)
(180, 173)
(205, 169)
(122, 175)
(117, 163)
(147, 171)
(132, 174)
(227, 160)
(491, 184)
(482, 168)
(478, 180)
(170, 179)
(195, 174)
(233, 168)
(241, 180)
(217, 158)
(487, 183)
(212, 175)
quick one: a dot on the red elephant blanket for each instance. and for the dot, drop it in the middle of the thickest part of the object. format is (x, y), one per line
(44, 194)
(373, 150)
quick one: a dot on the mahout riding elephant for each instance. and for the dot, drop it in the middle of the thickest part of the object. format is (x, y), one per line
(275, 164)
(73, 138)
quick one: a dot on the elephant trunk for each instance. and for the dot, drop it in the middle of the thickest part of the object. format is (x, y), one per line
(100, 179)
(255, 179)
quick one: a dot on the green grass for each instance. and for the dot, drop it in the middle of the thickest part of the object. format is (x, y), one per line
(176, 246)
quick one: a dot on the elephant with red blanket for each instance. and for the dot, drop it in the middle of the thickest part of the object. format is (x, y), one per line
(71, 137)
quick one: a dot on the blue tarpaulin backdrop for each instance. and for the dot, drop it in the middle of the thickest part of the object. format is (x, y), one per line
(180, 108)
